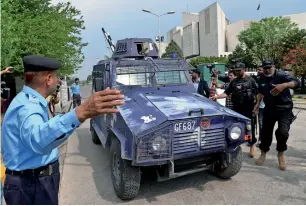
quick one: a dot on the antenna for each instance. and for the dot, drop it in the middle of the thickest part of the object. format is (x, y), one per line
(187, 9)
(109, 40)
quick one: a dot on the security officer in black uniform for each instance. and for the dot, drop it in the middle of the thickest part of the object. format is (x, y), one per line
(243, 90)
(274, 89)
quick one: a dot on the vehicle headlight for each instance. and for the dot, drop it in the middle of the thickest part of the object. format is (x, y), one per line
(248, 127)
(159, 144)
(235, 132)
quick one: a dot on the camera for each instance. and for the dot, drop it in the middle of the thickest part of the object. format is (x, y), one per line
(5, 91)
(58, 87)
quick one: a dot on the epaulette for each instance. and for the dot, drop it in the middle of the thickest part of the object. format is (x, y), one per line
(33, 99)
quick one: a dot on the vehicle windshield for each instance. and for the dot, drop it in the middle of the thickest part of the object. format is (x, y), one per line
(164, 77)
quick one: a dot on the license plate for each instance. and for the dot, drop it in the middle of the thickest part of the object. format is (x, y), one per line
(185, 126)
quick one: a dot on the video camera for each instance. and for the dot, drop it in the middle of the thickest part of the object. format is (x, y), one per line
(58, 87)
(5, 91)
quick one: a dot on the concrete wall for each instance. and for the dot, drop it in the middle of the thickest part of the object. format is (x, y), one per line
(299, 19)
(222, 24)
(172, 31)
(232, 32)
(208, 28)
(188, 18)
(178, 37)
(163, 46)
(191, 40)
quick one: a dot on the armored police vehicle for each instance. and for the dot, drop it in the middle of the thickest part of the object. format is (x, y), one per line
(164, 124)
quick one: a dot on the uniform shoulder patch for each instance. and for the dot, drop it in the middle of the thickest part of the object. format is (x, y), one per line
(33, 99)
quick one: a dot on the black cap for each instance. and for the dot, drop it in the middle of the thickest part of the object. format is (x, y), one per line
(267, 63)
(239, 66)
(33, 63)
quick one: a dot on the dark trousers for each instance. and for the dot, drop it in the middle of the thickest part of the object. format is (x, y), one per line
(29, 190)
(76, 98)
(260, 119)
(247, 111)
(270, 117)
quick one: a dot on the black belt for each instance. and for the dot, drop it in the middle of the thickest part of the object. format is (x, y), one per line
(41, 171)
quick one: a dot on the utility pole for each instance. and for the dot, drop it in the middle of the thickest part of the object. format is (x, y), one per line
(158, 17)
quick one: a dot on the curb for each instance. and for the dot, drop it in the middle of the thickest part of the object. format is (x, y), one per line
(299, 97)
(301, 108)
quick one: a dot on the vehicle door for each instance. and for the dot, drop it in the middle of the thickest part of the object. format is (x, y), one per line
(98, 84)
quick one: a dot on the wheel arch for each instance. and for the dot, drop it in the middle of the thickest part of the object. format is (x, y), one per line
(126, 143)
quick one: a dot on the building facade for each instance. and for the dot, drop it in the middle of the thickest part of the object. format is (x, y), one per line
(210, 33)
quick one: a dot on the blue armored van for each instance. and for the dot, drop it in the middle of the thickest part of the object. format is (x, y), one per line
(164, 124)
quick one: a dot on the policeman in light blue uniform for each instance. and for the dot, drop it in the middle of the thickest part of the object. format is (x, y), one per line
(76, 93)
(30, 140)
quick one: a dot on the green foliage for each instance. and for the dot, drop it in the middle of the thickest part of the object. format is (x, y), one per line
(173, 47)
(270, 37)
(243, 55)
(89, 78)
(201, 60)
(39, 28)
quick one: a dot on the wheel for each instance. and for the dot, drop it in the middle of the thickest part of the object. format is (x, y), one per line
(232, 168)
(94, 136)
(125, 177)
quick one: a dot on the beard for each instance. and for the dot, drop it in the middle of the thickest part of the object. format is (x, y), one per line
(52, 90)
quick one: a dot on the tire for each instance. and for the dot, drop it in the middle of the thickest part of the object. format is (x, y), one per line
(125, 178)
(232, 168)
(94, 136)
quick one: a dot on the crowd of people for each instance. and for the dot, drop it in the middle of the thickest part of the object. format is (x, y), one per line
(265, 96)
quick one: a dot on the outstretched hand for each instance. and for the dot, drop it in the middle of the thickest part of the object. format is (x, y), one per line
(278, 88)
(7, 70)
(101, 102)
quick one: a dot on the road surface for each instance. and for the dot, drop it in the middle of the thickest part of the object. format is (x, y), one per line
(86, 177)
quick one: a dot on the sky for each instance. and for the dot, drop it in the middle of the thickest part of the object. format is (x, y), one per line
(125, 19)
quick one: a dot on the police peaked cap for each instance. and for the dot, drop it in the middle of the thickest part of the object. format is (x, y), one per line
(239, 66)
(267, 63)
(34, 63)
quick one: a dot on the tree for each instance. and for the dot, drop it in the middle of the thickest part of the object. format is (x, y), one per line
(39, 28)
(243, 55)
(270, 37)
(173, 47)
(89, 78)
(296, 59)
(202, 60)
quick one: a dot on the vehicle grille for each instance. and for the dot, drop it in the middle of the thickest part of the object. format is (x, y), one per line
(210, 139)
(186, 142)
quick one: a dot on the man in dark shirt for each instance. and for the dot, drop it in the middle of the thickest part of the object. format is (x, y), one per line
(243, 91)
(274, 89)
(200, 85)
